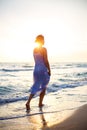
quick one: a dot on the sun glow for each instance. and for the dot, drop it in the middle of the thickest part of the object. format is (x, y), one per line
(17, 51)
(20, 51)
(37, 44)
(63, 26)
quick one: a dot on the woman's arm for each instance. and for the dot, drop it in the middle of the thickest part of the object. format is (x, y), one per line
(46, 60)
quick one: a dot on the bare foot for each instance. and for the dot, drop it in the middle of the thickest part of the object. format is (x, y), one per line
(41, 105)
(27, 107)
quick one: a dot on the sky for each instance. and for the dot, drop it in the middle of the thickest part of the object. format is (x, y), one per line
(62, 22)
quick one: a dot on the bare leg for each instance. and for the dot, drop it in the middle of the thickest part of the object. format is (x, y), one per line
(41, 98)
(28, 102)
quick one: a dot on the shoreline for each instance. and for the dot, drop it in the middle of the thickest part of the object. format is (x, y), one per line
(62, 111)
(77, 121)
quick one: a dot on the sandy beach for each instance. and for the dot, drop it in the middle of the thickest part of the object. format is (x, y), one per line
(57, 114)
(44, 121)
(77, 121)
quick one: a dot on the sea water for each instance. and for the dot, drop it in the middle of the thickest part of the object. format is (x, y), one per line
(16, 80)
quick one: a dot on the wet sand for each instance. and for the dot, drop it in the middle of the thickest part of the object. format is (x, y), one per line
(44, 121)
(57, 114)
(77, 121)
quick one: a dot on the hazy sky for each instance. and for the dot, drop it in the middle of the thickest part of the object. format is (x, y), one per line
(62, 22)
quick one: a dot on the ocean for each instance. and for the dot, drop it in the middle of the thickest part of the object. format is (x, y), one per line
(16, 80)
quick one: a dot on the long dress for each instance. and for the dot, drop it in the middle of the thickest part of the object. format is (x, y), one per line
(40, 74)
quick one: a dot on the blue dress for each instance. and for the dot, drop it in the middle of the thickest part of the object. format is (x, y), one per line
(40, 74)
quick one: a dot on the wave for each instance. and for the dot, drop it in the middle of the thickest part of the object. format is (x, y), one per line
(81, 65)
(82, 74)
(9, 94)
(15, 70)
(52, 89)
(27, 66)
(73, 83)
(10, 100)
(70, 65)
(77, 65)
(6, 90)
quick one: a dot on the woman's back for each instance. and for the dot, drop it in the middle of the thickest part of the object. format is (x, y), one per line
(38, 55)
(39, 61)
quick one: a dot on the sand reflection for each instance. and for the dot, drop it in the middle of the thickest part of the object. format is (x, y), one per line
(37, 119)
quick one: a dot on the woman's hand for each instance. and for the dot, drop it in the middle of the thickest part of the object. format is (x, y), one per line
(49, 73)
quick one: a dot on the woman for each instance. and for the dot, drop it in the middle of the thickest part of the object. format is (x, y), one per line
(41, 71)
